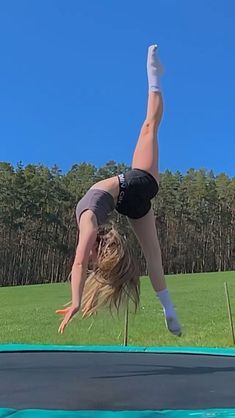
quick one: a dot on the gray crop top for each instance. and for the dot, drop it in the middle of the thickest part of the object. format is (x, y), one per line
(99, 201)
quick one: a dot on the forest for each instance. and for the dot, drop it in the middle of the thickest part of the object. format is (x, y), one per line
(194, 212)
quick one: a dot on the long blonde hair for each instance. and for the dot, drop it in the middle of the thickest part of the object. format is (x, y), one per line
(115, 278)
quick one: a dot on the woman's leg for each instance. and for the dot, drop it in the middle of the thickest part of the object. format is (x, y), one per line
(146, 233)
(145, 155)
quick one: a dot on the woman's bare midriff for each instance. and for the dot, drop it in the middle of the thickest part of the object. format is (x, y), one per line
(110, 185)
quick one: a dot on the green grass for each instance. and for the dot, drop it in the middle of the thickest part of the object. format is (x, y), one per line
(27, 315)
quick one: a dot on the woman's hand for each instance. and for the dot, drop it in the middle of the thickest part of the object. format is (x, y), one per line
(68, 315)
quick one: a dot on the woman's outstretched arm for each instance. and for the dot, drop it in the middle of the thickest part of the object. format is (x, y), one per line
(87, 238)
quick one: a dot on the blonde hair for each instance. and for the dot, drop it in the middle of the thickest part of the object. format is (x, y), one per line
(115, 278)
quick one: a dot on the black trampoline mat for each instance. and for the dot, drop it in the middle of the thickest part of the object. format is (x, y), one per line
(116, 381)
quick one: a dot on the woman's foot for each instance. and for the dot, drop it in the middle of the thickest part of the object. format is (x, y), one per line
(171, 320)
(154, 69)
(173, 324)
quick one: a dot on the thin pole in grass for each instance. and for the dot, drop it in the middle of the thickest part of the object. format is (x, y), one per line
(229, 311)
(126, 324)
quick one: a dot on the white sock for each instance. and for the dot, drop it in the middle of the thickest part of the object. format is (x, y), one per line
(165, 300)
(154, 69)
(172, 322)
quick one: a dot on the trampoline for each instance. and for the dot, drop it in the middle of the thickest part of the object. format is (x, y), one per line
(116, 382)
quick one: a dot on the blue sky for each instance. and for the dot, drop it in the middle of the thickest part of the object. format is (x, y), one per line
(73, 81)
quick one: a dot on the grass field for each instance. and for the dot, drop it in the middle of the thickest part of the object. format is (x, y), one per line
(27, 315)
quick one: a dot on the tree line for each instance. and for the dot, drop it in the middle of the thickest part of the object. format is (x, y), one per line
(194, 212)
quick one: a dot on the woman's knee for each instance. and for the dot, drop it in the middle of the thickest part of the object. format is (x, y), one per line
(149, 128)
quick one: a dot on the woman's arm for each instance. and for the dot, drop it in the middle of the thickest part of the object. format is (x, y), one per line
(87, 237)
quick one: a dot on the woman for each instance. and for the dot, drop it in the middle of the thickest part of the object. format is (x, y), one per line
(114, 275)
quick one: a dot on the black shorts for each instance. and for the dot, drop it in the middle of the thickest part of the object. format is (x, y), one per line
(137, 188)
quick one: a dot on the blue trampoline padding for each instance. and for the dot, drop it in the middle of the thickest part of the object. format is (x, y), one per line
(41, 413)
(118, 349)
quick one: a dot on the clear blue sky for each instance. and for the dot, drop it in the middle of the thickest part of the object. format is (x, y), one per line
(73, 81)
